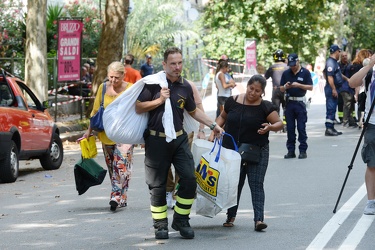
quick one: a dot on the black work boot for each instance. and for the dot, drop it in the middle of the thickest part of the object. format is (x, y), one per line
(331, 132)
(290, 155)
(161, 229)
(183, 226)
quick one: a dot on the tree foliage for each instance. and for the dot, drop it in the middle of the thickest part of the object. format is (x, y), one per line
(111, 40)
(154, 25)
(359, 28)
(92, 24)
(301, 27)
(12, 28)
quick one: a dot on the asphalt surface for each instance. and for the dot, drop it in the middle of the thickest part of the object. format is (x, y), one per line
(42, 209)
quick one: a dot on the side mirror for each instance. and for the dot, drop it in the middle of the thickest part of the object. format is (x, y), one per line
(46, 104)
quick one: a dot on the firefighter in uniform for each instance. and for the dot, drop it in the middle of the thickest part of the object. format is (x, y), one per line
(160, 153)
(295, 81)
(275, 71)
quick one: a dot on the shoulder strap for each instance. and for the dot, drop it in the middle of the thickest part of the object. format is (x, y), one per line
(103, 92)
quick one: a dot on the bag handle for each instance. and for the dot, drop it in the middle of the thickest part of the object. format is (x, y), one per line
(220, 142)
(234, 142)
(103, 92)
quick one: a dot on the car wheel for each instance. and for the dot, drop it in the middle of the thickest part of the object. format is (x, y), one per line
(54, 157)
(9, 166)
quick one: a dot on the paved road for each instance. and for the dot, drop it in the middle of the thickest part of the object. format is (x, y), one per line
(42, 209)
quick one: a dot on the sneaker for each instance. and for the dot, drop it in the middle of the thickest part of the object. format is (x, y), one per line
(184, 227)
(169, 197)
(370, 208)
(113, 203)
(290, 155)
(161, 232)
(302, 155)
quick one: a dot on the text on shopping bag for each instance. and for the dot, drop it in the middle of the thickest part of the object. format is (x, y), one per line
(207, 177)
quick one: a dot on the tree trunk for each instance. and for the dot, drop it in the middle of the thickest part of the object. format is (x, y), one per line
(111, 41)
(36, 48)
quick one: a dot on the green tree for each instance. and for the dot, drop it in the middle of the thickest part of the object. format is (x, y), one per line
(358, 27)
(88, 11)
(54, 12)
(291, 25)
(111, 40)
(152, 26)
(12, 28)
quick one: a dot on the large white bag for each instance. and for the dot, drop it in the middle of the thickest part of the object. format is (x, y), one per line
(217, 173)
(205, 207)
(123, 125)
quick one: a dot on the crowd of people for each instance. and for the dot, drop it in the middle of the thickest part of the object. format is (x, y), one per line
(247, 117)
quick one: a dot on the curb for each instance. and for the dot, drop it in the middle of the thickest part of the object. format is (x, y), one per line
(70, 132)
(71, 136)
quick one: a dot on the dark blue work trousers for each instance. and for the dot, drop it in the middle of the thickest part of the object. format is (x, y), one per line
(296, 111)
(331, 105)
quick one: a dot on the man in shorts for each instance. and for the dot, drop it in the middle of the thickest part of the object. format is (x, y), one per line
(368, 149)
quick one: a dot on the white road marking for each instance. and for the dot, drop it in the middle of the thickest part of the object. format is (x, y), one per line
(329, 229)
(356, 235)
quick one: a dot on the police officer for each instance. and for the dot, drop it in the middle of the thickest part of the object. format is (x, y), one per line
(334, 81)
(275, 71)
(295, 81)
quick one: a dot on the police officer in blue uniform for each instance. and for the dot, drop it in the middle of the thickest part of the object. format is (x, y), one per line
(334, 81)
(295, 81)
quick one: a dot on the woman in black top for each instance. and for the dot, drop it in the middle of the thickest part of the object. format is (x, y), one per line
(248, 118)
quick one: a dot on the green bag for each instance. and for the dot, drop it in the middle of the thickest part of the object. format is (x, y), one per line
(88, 173)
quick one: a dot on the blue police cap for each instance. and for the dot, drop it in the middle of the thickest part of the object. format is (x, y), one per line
(292, 59)
(334, 48)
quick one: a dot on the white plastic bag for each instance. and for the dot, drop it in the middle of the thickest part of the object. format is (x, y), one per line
(123, 125)
(217, 172)
(205, 207)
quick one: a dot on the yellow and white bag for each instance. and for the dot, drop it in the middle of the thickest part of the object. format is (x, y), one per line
(217, 172)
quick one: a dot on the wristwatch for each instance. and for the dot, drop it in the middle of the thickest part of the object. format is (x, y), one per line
(212, 126)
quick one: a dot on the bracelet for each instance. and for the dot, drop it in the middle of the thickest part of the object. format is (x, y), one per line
(212, 126)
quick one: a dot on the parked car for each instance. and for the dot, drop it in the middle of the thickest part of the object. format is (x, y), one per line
(27, 131)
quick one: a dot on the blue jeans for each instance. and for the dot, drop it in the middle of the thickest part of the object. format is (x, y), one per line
(255, 177)
(331, 106)
(296, 111)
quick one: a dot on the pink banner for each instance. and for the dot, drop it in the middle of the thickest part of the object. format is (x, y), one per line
(69, 50)
(251, 55)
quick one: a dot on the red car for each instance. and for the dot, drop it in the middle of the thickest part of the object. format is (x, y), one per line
(27, 131)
